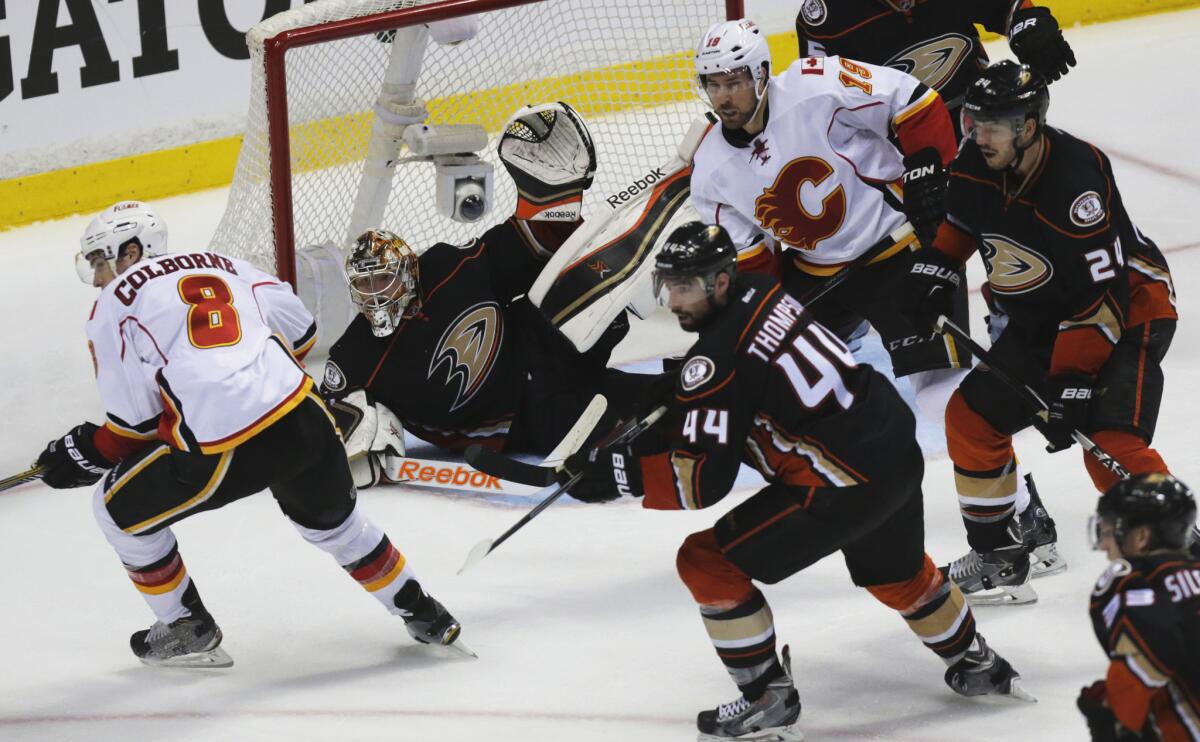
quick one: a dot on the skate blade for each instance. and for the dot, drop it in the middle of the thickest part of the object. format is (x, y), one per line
(478, 552)
(789, 733)
(1047, 561)
(1017, 691)
(1007, 595)
(211, 659)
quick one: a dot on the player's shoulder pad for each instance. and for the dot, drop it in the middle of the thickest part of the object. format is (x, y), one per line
(1076, 190)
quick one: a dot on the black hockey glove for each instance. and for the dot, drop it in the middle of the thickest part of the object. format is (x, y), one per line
(928, 288)
(1068, 396)
(608, 473)
(1038, 42)
(1102, 723)
(73, 461)
(925, 182)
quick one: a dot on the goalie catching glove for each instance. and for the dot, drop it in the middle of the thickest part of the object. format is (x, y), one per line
(370, 431)
(548, 151)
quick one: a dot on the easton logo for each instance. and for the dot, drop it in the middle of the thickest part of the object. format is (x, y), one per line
(934, 62)
(600, 267)
(1013, 268)
(468, 349)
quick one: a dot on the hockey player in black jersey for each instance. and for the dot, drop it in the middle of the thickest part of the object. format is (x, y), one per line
(445, 341)
(1090, 304)
(935, 41)
(1145, 610)
(766, 385)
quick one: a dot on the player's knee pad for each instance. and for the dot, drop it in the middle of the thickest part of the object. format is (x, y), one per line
(1130, 449)
(708, 574)
(907, 596)
(971, 441)
(134, 551)
(347, 542)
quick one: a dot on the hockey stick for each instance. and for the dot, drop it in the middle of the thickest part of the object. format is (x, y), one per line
(538, 475)
(1104, 458)
(870, 256)
(632, 430)
(30, 474)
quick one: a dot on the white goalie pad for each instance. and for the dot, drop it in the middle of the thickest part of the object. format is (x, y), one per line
(605, 266)
(321, 286)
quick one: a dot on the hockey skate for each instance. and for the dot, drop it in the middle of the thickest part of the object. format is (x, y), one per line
(427, 620)
(983, 672)
(771, 718)
(1036, 530)
(192, 641)
(999, 577)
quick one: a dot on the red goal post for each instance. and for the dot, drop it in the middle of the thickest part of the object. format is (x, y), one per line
(320, 71)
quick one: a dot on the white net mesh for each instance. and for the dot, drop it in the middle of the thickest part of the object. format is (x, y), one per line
(625, 65)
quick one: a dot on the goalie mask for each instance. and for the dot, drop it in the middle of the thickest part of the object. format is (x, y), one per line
(383, 273)
(119, 224)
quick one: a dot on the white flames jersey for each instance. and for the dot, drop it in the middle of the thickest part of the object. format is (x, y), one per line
(822, 177)
(199, 350)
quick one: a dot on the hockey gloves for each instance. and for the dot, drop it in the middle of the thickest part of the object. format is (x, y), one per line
(608, 472)
(548, 151)
(1068, 396)
(1036, 39)
(925, 183)
(370, 432)
(929, 287)
(73, 460)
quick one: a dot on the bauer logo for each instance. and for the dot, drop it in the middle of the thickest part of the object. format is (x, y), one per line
(334, 380)
(1087, 210)
(696, 372)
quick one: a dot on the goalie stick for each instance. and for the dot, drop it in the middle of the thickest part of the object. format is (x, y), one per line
(30, 474)
(631, 430)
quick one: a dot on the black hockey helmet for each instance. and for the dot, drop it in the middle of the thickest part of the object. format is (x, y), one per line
(1005, 90)
(1159, 501)
(694, 250)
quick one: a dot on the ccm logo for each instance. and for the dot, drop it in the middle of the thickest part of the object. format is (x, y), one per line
(449, 475)
(619, 474)
(1077, 393)
(1027, 23)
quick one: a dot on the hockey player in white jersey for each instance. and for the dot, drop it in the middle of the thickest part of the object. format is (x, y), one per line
(197, 357)
(830, 163)
(802, 175)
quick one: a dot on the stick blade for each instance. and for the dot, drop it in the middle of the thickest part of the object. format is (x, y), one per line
(478, 552)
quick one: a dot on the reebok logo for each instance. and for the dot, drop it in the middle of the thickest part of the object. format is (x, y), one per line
(636, 187)
(459, 475)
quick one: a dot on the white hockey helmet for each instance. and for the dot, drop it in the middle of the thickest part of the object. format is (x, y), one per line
(731, 45)
(115, 226)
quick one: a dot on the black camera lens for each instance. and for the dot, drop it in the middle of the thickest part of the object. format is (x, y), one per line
(472, 207)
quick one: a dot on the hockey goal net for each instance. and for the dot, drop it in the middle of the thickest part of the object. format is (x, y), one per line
(318, 72)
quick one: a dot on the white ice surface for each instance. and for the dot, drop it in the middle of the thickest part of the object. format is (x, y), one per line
(584, 631)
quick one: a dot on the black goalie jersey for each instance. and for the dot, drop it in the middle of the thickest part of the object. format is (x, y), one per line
(766, 385)
(456, 372)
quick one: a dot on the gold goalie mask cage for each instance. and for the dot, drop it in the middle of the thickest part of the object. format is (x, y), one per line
(384, 277)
